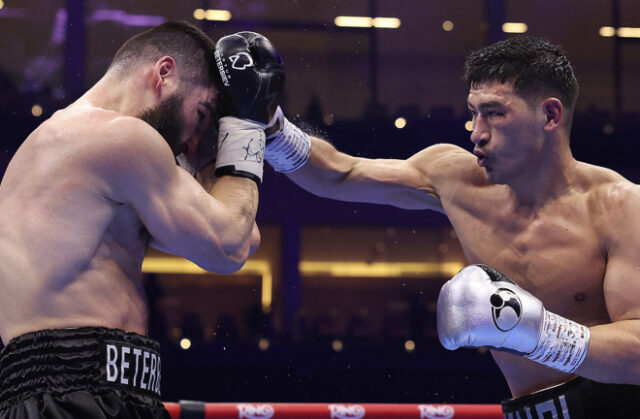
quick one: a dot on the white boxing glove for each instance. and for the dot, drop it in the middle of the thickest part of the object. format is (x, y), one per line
(240, 148)
(480, 306)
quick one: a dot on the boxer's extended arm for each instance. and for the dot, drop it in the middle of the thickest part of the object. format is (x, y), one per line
(412, 184)
(213, 228)
(614, 353)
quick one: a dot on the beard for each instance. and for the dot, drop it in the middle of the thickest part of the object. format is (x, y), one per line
(166, 118)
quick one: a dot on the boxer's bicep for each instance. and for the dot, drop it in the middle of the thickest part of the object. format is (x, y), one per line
(621, 228)
(614, 349)
(622, 279)
(403, 183)
(415, 183)
(393, 182)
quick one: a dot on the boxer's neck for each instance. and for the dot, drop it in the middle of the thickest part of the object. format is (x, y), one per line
(127, 95)
(552, 175)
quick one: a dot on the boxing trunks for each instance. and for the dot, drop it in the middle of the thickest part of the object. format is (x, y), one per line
(577, 399)
(87, 373)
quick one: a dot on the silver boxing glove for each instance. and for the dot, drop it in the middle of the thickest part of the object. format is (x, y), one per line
(480, 306)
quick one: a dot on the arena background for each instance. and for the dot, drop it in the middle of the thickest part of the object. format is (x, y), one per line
(338, 304)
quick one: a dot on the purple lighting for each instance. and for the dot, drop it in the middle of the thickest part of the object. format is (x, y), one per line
(123, 17)
(57, 36)
(14, 13)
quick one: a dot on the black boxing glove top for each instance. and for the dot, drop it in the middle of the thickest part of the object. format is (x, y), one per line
(252, 77)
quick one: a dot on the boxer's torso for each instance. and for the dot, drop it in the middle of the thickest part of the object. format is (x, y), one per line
(556, 251)
(69, 256)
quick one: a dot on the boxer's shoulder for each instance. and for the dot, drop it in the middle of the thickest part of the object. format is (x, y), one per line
(104, 149)
(448, 167)
(85, 131)
(96, 124)
(612, 203)
(608, 192)
(445, 159)
(112, 141)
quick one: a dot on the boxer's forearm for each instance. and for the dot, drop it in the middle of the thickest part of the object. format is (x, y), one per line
(212, 225)
(614, 353)
(231, 225)
(239, 197)
(326, 171)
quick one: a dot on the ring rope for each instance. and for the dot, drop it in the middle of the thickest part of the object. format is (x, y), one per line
(202, 410)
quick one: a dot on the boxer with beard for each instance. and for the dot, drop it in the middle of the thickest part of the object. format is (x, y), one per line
(80, 201)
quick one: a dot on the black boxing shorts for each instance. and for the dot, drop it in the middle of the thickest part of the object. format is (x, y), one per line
(85, 373)
(577, 399)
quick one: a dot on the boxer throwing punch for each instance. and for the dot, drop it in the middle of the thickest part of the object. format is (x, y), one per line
(565, 231)
(81, 199)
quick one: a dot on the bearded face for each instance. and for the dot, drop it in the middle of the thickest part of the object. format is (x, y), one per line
(167, 118)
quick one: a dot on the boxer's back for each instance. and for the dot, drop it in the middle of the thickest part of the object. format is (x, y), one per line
(68, 254)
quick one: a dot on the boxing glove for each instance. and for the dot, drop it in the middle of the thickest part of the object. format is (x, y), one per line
(250, 85)
(251, 81)
(480, 306)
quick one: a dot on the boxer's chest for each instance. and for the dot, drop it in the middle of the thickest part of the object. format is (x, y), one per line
(556, 255)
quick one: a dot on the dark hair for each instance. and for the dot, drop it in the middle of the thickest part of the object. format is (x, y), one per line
(191, 48)
(535, 66)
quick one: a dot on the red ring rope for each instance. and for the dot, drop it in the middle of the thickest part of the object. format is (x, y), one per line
(201, 410)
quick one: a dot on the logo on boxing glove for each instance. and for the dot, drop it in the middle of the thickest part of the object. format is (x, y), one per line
(241, 60)
(506, 308)
(221, 69)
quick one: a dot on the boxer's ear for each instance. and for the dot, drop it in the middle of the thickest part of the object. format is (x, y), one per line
(553, 112)
(165, 76)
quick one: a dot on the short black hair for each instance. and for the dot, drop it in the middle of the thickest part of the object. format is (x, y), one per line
(535, 66)
(191, 48)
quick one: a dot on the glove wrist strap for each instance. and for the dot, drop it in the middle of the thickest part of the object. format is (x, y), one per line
(288, 148)
(563, 343)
